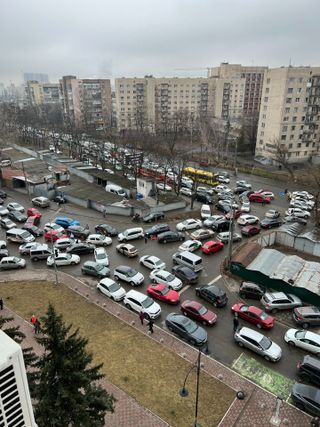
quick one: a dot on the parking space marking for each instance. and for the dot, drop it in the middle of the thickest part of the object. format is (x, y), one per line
(215, 280)
(184, 289)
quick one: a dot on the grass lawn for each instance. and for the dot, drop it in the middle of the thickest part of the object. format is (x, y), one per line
(267, 378)
(141, 367)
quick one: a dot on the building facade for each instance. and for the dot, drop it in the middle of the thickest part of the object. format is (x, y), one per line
(39, 77)
(42, 93)
(290, 114)
(86, 102)
(15, 402)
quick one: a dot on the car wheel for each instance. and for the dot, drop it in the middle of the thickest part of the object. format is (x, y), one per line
(164, 241)
(73, 263)
(192, 342)
(132, 283)
(112, 298)
(197, 227)
(259, 326)
(291, 343)
(299, 405)
(125, 240)
(240, 344)
(116, 277)
(305, 325)
(274, 310)
(215, 304)
(183, 229)
(170, 328)
(267, 358)
(242, 295)
(83, 272)
(305, 377)
(128, 306)
(318, 355)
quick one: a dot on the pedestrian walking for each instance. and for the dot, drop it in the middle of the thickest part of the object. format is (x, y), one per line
(285, 191)
(56, 253)
(263, 202)
(145, 239)
(150, 326)
(1, 303)
(37, 327)
(235, 323)
(141, 317)
(33, 319)
(104, 213)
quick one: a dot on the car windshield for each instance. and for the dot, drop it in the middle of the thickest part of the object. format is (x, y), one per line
(147, 302)
(300, 334)
(190, 327)
(100, 255)
(202, 310)
(131, 273)
(99, 267)
(170, 278)
(159, 262)
(15, 259)
(114, 287)
(265, 343)
(264, 315)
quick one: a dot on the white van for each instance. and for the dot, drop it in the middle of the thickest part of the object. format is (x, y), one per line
(17, 235)
(188, 259)
(131, 234)
(40, 252)
(205, 211)
(116, 189)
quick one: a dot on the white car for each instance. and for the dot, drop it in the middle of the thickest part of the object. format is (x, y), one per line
(222, 187)
(13, 206)
(272, 213)
(53, 226)
(205, 212)
(304, 194)
(101, 256)
(302, 202)
(266, 193)
(299, 213)
(309, 341)
(223, 179)
(212, 219)
(111, 289)
(63, 243)
(3, 211)
(202, 234)
(246, 207)
(188, 224)
(190, 245)
(24, 249)
(186, 191)
(166, 278)
(139, 302)
(99, 240)
(128, 274)
(299, 204)
(243, 183)
(224, 237)
(3, 244)
(152, 262)
(205, 190)
(63, 259)
(162, 187)
(247, 219)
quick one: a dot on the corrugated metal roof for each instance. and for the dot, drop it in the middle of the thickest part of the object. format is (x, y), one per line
(292, 228)
(309, 277)
(289, 268)
(266, 262)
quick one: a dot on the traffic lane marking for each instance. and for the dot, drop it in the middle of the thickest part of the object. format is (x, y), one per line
(215, 280)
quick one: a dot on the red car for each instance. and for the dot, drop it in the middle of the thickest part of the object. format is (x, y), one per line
(253, 315)
(250, 230)
(259, 198)
(35, 215)
(198, 312)
(212, 247)
(163, 293)
(229, 215)
(53, 235)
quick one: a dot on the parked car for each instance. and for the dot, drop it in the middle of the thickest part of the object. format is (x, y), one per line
(170, 236)
(33, 229)
(224, 206)
(247, 220)
(260, 344)
(188, 224)
(291, 218)
(307, 316)
(101, 256)
(259, 198)
(213, 294)
(268, 223)
(204, 198)
(24, 249)
(111, 289)
(126, 249)
(163, 293)
(199, 312)
(186, 329)
(14, 206)
(156, 230)
(223, 179)
(250, 230)
(152, 262)
(202, 234)
(190, 245)
(185, 274)
(3, 194)
(212, 219)
(3, 244)
(99, 240)
(266, 193)
(106, 230)
(66, 222)
(251, 290)
(220, 225)
(166, 278)
(306, 398)
(12, 263)
(185, 191)
(274, 301)
(254, 315)
(92, 268)
(244, 184)
(53, 226)
(297, 212)
(308, 370)
(54, 235)
(80, 249)
(7, 224)
(304, 339)
(41, 202)
(60, 200)
(272, 213)
(4, 253)
(233, 214)
(141, 303)
(3, 211)
(154, 216)
(63, 259)
(224, 237)
(246, 206)
(212, 247)
(17, 216)
(239, 190)
(128, 274)
(78, 231)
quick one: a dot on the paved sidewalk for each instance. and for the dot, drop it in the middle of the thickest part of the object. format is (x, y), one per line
(255, 410)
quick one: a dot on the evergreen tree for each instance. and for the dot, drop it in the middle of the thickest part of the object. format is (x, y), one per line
(66, 392)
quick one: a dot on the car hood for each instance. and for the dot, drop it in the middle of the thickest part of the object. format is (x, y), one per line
(289, 335)
(200, 335)
(119, 293)
(154, 308)
(274, 351)
(137, 277)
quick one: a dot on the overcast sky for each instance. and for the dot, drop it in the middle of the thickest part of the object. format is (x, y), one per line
(107, 39)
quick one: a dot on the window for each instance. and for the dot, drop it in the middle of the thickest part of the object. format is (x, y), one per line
(284, 128)
(287, 110)
(293, 127)
(286, 118)
(290, 145)
(267, 90)
(288, 100)
(268, 81)
(290, 89)
(283, 137)
(291, 137)
(294, 119)
(299, 145)
(297, 99)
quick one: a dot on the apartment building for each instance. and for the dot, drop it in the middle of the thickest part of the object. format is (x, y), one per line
(15, 402)
(39, 77)
(150, 103)
(42, 93)
(86, 102)
(290, 113)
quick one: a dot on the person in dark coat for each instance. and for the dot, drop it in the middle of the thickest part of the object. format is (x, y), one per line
(235, 323)
(141, 317)
(37, 327)
(150, 326)
(1, 304)
(145, 238)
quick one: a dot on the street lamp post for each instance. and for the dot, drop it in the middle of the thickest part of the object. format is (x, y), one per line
(231, 231)
(54, 253)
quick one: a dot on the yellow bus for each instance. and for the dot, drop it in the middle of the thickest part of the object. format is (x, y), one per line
(200, 175)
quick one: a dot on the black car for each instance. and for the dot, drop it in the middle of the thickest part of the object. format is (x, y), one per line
(307, 398)
(33, 229)
(212, 294)
(106, 230)
(170, 236)
(156, 230)
(204, 198)
(60, 200)
(17, 216)
(3, 253)
(292, 218)
(225, 207)
(186, 329)
(185, 274)
(3, 194)
(239, 190)
(220, 225)
(270, 222)
(152, 217)
(80, 249)
(78, 231)
(309, 370)
(251, 290)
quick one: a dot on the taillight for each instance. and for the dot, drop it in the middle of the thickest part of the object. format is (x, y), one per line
(218, 300)
(267, 305)
(298, 365)
(299, 317)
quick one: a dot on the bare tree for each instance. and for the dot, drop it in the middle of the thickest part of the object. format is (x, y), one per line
(282, 157)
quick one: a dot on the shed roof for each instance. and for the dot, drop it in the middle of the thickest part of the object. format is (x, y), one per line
(247, 253)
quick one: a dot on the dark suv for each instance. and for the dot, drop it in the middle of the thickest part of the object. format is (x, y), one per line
(156, 230)
(309, 370)
(250, 290)
(220, 225)
(78, 231)
(106, 230)
(307, 316)
(170, 236)
(154, 216)
(213, 294)
(204, 198)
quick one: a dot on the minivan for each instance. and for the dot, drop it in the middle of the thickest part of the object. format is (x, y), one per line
(17, 235)
(40, 252)
(188, 259)
(131, 234)
(137, 301)
(116, 189)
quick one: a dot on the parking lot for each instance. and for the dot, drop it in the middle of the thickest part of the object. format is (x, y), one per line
(220, 336)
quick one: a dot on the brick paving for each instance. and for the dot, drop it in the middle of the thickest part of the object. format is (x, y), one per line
(255, 410)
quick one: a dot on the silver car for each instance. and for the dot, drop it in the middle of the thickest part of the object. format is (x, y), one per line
(260, 344)
(11, 263)
(274, 301)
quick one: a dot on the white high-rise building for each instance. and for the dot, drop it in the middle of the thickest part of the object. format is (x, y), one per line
(15, 402)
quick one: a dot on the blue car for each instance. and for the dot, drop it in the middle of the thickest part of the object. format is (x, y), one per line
(66, 222)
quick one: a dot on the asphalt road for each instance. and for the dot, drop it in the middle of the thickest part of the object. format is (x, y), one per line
(220, 336)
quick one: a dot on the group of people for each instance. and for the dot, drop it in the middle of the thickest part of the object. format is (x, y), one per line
(150, 321)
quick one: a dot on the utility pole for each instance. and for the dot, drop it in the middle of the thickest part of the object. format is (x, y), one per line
(26, 180)
(230, 243)
(54, 254)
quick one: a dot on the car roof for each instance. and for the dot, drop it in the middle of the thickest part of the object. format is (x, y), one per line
(193, 304)
(124, 268)
(276, 295)
(308, 310)
(250, 333)
(313, 336)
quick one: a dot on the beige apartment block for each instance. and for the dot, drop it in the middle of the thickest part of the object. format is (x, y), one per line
(86, 102)
(41, 93)
(290, 113)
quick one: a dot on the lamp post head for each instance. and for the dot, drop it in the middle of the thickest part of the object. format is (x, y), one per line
(183, 392)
